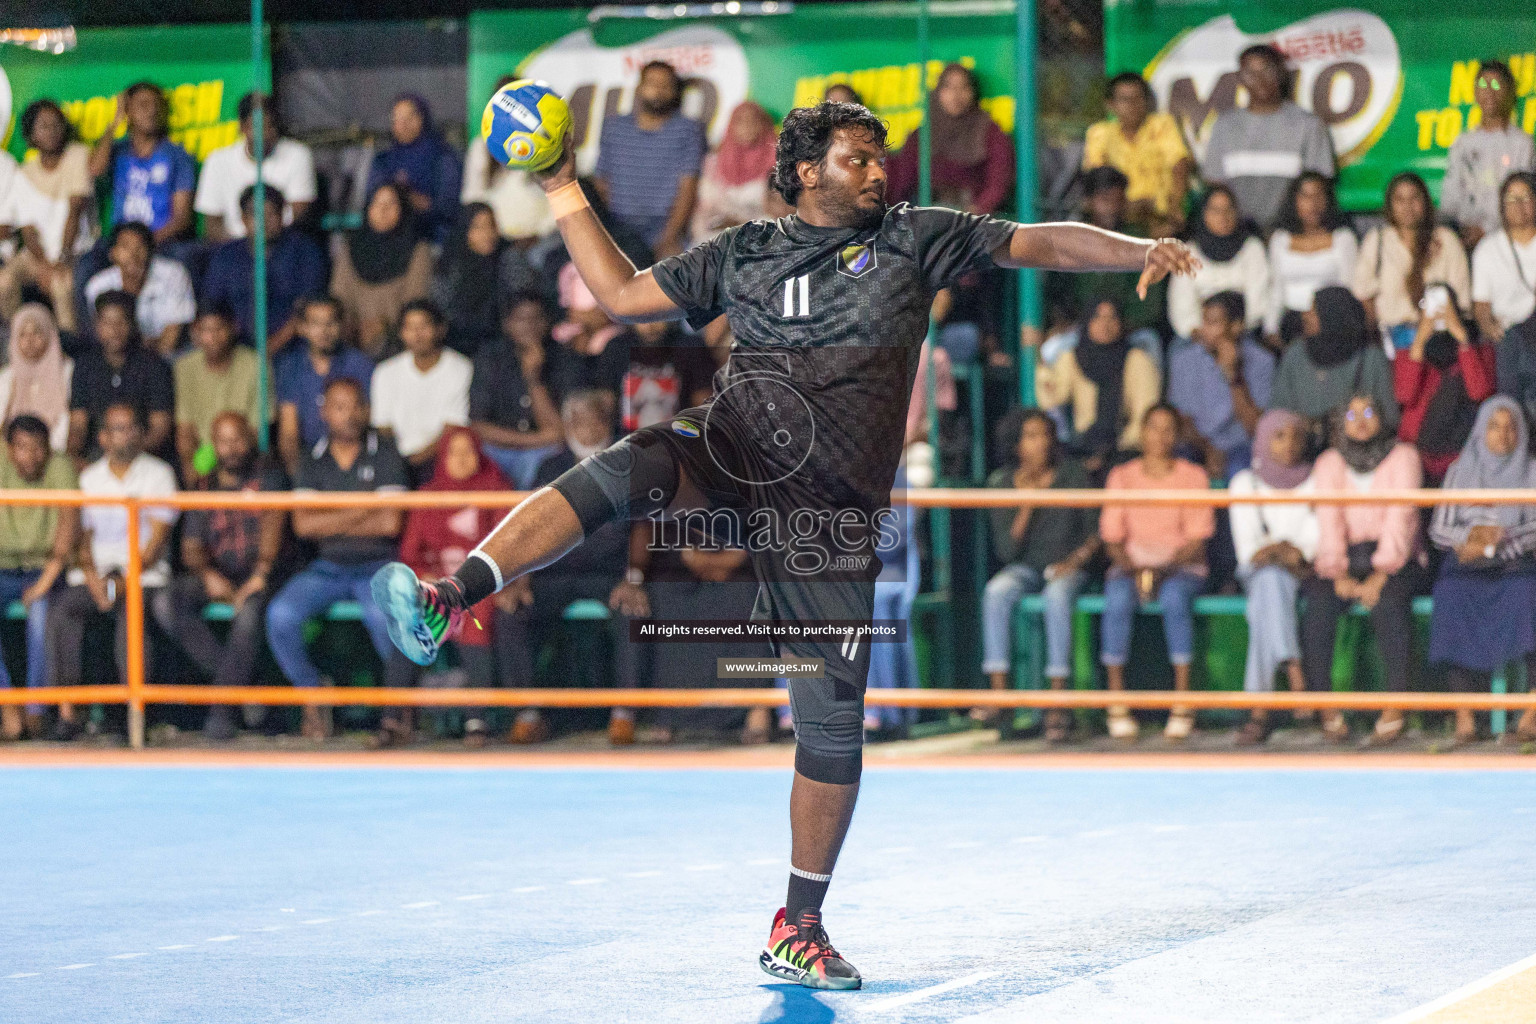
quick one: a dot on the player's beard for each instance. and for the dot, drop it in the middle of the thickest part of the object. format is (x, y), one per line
(846, 209)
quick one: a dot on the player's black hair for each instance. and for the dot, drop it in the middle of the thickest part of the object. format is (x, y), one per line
(1141, 83)
(1498, 67)
(26, 423)
(426, 307)
(34, 111)
(1103, 179)
(1232, 304)
(1290, 220)
(807, 135)
(132, 227)
(274, 197)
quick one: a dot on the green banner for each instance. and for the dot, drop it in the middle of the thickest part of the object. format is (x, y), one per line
(781, 61)
(1392, 79)
(204, 70)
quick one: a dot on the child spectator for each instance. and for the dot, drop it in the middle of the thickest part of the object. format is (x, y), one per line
(37, 376)
(301, 373)
(1312, 248)
(216, 377)
(1504, 263)
(152, 177)
(296, 267)
(48, 203)
(733, 188)
(1220, 380)
(522, 212)
(509, 407)
(972, 160)
(119, 370)
(648, 164)
(1402, 258)
(1232, 259)
(162, 291)
(1337, 357)
(1257, 150)
(287, 166)
(228, 556)
(1440, 382)
(422, 391)
(591, 351)
(380, 267)
(1483, 157)
(478, 274)
(424, 166)
(1146, 146)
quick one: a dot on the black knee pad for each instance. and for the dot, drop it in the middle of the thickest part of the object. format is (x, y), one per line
(630, 479)
(835, 769)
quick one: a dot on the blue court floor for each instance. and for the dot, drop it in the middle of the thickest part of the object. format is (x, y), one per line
(388, 896)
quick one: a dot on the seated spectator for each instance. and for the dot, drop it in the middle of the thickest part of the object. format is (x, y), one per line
(1311, 249)
(1220, 380)
(300, 375)
(1042, 551)
(152, 177)
(891, 666)
(161, 289)
(1440, 382)
(1504, 263)
(971, 164)
(48, 203)
(216, 377)
(476, 277)
(419, 393)
(522, 212)
(1485, 598)
(352, 543)
(435, 543)
(648, 165)
(287, 167)
(1146, 146)
(37, 376)
(379, 268)
(36, 544)
(1232, 259)
(1400, 260)
(228, 556)
(1483, 157)
(1372, 555)
(1275, 545)
(1154, 554)
(733, 187)
(666, 374)
(1105, 386)
(1336, 357)
(1257, 150)
(125, 470)
(509, 407)
(119, 370)
(591, 351)
(425, 168)
(296, 267)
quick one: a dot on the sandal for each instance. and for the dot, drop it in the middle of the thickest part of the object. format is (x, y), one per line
(1181, 722)
(1253, 732)
(1335, 727)
(1121, 725)
(1386, 733)
(1058, 726)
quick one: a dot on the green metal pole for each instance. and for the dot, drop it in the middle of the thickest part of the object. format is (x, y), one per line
(259, 228)
(1031, 304)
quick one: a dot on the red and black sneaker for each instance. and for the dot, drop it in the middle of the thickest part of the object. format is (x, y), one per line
(802, 953)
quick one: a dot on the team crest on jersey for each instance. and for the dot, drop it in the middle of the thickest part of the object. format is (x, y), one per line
(856, 260)
(687, 428)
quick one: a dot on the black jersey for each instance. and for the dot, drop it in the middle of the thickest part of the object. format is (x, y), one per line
(828, 323)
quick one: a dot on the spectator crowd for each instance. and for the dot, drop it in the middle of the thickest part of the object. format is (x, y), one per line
(446, 343)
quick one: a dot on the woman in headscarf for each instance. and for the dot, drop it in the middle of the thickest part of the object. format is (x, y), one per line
(971, 160)
(1403, 258)
(1485, 598)
(1106, 384)
(421, 162)
(1372, 555)
(1275, 546)
(1440, 382)
(37, 376)
(435, 543)
(380, 267)
(733, 186)
(1337, 358)
(1232, 259)
(476, 278)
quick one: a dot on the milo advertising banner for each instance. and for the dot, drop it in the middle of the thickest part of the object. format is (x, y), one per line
(204, 70)
(1392, 79)
(781, 61)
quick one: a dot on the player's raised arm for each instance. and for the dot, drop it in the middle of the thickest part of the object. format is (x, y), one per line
(625, 294)
(1083, 247)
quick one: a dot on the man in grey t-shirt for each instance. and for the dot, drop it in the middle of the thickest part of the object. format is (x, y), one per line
(1482, 159)
(1257, 151)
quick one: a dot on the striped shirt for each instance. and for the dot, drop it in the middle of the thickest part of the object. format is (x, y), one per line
(643, 169)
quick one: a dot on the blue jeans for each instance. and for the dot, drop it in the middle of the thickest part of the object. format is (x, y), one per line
(519, 465)
(1002, 595)
(1273, 628)
(13, 583)
(1177, 596)
(893, 665)
(309, 594)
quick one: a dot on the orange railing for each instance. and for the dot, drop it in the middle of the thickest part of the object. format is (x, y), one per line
(138, 693)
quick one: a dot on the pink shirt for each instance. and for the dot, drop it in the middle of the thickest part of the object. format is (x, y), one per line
(1394, 528)
(1152, 535)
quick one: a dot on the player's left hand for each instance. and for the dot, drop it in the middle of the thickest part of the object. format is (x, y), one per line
(1167, 256)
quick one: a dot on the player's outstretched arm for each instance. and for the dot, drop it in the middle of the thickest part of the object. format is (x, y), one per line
(627, 295)
(1083, 247)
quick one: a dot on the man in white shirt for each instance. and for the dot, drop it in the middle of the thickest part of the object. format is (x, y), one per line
(287, 165)
(423, 389)
(162, 290)
(96, 586)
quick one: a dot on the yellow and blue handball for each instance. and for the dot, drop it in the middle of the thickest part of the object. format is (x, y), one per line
(524, 125)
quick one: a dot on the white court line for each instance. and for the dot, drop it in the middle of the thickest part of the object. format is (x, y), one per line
(641, 874)
(1465, 992)
(528, 888)
(126, 956)
(907, 998)
(420, 905)
(222, 938)
(21, 974)
(473, 896)
(586, 881)
(73, 967)
(318, 920)
(181, 945)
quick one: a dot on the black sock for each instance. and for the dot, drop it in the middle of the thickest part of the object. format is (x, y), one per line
(804, 894)
(475, 581)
